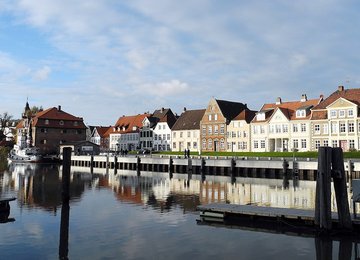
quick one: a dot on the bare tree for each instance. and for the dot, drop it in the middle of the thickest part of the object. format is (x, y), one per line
(5, 118)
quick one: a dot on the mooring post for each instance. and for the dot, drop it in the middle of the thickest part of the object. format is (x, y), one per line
(66, 174)
(91, 164)
(350, 172)
(189, 166)
(323, 247)
(323, 189)
(285, 168)
(340, 188)
(232, 169)
(115, 164)
(202, 168)
(138, 165)
(171, 166)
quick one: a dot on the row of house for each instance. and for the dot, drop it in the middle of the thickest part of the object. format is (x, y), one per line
(301, 125)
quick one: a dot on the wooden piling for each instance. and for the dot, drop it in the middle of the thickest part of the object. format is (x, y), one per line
(340, 187)
(232, 170)
(92, 164)
(115, 164)
(323, 189)
(202, 168)
(138, 165)
(66, 163)
(171, 167)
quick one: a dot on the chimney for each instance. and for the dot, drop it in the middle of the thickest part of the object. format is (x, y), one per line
(162, 110)
(340, 88)
(184, 109)
(59, 107)
(303, 98)
(278, 100)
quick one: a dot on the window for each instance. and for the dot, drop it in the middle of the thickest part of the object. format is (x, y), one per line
(222, 129)
(262, 144)
(209, 117)
(203, 130)
(278, 128)
(262, 129)
(303, 127)
(351, 127)
(342, 127)
(300, 113)
(43, 141)
(181, 134)
(317, 144)
(244, 134)
(222, 144)
(334, 143)
(216, 129)
(326, 142)
(260, 116)
(334, 128)
(255, 129)
(233, 134)
(295, 143)
(342, 113)
(168, 136)
(46, 121)
(325, 128)
(43, 130)
(209, 144)
(204, 144)
(256, 144)
(188, 145)
(285, 128)
(303, 143)
(155, 137)
(164, 136)
(61, 122)
(63, 131)
(351, 144)
(350, 113)
(188, 134)
(76, 123)
(333, 114)
(215, 117)
(195, 145)
(210, 130)
(295, 128)
(317, 128)
(174, 134)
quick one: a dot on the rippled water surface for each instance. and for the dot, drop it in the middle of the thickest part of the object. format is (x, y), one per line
(123, 216)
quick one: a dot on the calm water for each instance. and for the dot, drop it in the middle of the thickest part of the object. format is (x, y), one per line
(123, 216)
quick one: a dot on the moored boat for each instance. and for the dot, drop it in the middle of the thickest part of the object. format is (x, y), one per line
(25, 154)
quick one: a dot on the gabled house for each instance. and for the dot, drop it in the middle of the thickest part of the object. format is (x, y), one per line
(186, 130)
(336, 121)
(125, 135)
(215, 121)
(49, 128)
(98, 136)
(155, 133)
(283, 126)
(239, 133)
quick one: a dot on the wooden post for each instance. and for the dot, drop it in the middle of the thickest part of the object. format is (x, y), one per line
(323, 189)
(115, 164)
(202, 169)
(171, 167)
(324, 248)
(138, 165)
(285, 168)
(232, 170)
(91, 164)
(340, 187)
(350, 172)
(345, 249)
(66, 174)
(64, 230)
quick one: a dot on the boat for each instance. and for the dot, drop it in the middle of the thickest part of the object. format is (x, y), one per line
(25, 154)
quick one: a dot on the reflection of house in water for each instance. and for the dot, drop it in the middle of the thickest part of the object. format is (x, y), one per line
(40, 185)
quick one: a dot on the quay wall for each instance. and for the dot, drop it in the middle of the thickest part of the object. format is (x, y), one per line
(271, 168)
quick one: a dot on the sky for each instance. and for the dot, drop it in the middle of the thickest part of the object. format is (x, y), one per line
(101, 59)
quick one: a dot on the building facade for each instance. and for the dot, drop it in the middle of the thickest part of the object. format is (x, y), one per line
(186, 131)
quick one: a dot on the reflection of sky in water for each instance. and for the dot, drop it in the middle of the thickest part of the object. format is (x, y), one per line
(125, 217)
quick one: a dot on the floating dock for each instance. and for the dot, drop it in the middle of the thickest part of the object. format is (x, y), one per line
(219, 212)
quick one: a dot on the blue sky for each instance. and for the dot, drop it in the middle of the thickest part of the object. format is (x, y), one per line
(103, 59)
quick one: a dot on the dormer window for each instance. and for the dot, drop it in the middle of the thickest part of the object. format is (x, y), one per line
(300, 113)
(260, 116)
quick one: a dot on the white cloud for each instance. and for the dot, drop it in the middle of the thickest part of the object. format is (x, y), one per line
(164, 89)
(42, 74)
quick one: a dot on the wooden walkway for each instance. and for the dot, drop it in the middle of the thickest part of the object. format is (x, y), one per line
(217, 210)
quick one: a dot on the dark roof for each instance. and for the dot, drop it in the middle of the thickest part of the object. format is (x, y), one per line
(189, 120)
(246, 115)
(162, 115)
(230, 109)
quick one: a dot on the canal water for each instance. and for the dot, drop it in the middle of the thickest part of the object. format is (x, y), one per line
(123, 216)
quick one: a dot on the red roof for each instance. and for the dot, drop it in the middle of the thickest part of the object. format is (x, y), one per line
(126, 124)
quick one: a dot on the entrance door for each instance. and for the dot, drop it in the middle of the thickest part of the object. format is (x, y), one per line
(216, 145)
(343, 145)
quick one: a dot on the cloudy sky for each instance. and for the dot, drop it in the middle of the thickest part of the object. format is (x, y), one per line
(100, 59)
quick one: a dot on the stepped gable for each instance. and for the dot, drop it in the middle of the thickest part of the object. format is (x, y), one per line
(189, 120)
(230, 109)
